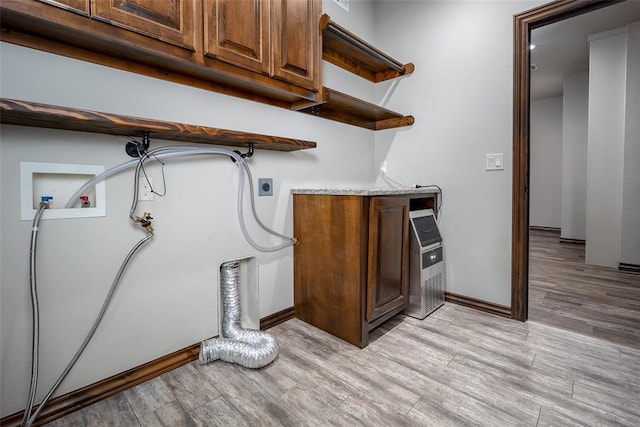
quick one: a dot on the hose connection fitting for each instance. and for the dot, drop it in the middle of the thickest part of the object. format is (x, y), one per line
(46, 199)
(145, 221)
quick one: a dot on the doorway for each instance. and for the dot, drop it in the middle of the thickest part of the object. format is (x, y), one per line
(524, 23)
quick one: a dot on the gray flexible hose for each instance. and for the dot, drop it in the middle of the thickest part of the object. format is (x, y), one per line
(259, 348)
(179, 151)
(35, 313)
(255, 213)
(245, 347)
(89, 335)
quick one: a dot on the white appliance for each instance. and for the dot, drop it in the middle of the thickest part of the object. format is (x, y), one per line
(426, 265)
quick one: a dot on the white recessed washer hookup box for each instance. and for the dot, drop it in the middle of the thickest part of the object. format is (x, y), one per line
(60, 181)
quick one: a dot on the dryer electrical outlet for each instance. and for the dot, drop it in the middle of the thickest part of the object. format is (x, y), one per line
(60, 181)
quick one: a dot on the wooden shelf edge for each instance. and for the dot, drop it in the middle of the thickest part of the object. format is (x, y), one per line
(350, 52)
(392, 74)
(397, 122)
(25, 113)
(340, 107)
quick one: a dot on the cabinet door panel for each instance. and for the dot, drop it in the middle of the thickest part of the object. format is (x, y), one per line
(330, 264)
(238, 32)
(296, 42)
(387, 281)
(77, 6)
(171, 21)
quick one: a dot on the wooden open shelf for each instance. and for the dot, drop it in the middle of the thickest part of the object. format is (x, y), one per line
(346, 50)
(347, 109)
(26, 113)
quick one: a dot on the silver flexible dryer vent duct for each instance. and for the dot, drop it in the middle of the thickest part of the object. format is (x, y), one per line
(245, 347)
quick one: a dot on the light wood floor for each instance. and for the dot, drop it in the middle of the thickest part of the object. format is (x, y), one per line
(457, 367)
(564, 292)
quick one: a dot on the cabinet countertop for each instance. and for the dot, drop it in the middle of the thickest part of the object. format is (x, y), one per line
(364, 191)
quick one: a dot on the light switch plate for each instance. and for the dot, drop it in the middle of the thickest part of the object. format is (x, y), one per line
(495, 161)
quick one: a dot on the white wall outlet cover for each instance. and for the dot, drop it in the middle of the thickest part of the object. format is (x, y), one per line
(145, 185)
(59, 180)
(342, 3)
(495, 161)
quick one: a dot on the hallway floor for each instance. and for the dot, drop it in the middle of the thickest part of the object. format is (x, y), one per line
(564, 292)
(456, 367)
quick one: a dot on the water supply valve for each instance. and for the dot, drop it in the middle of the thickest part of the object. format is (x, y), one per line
(85, 202)
(145, 221)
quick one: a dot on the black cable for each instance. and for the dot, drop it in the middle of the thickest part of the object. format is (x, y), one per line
(387, 177)
(441, 195)
(164, 182)
(145, 155)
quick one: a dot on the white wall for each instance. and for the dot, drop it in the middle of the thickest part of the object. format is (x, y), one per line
(575, 115)
(545, 153)
(631, 177)
(461, 97)
(607, 86)
(460, 94)
(359, 20)
(168, 297)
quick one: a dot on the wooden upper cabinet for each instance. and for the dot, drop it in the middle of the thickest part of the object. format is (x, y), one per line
(172, 21)
(78, 6)
(237, 31)
(262, 50)
(295, 37)
(278, 38)
(388, 280)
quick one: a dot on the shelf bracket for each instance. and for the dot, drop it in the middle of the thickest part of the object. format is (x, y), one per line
(135, 149)
(246, 155)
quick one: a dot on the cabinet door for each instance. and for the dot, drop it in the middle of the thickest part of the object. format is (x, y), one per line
(238, 32)
(172, 21)
(387, 280)
(295, 27)
(77, 6)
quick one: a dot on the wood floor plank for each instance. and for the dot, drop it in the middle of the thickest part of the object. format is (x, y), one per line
(578, 370)
(429, 413)
(169, 415)
(266, 412)
(449, 406)
(218, 412)
(149, 396)
(566, 293)
(631, 355)
(434, 382)
(459, 367)
(112, 412)
(231, 382)
(363, 379)
(552, 418)
(72, 420)
(190, 387)
(315, 410)
(617, 400)
(372, 413)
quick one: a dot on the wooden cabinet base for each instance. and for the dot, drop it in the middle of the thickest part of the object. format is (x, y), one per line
(351, 262)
